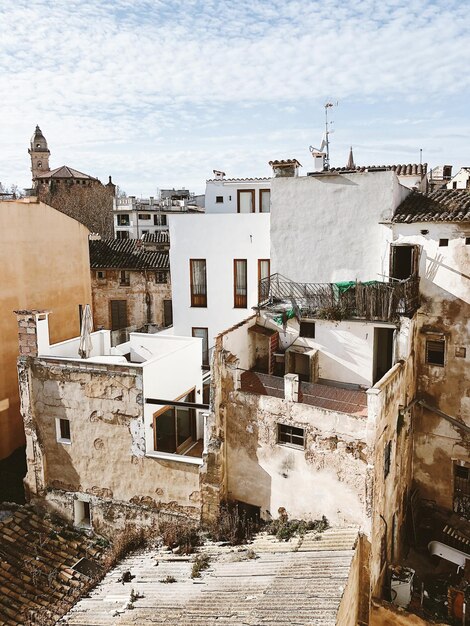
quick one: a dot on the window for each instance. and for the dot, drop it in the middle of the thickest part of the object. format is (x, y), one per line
(81, 513)
(443, 243)
(264, 271)
(240, 283)
(145, 232)
(101, 275)
(124, 278)
(467, 241)
(264, 200)
(203, 333)
(454, 185)
(160, 277)
(435, 351)
(145, 216)
(159, 220)
(219, 199)
(167, 313)
(63, 430)
(387, 458)
(246, 201)
(123, 220)
(404, 261)
(175, 427)
(307, 329)
(118, 314)
(198, 282)
(291, 435)
(80, 316)
(122, 234)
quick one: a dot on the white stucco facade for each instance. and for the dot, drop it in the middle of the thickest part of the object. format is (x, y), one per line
(219, 239)
(222, 194)
(461, 180)
(327, 227)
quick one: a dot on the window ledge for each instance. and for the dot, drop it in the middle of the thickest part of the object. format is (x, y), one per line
(292, 446)
(67, 442)
(179, 458)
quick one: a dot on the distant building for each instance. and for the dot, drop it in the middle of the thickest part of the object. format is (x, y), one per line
(131, 283)
(461, 180)
(439, 176)
(411, 175)
(135, 218)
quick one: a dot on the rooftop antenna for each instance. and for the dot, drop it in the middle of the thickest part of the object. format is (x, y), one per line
(420, 156)
(328, 105)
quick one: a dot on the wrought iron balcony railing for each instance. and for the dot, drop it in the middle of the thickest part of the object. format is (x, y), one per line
(373, 300)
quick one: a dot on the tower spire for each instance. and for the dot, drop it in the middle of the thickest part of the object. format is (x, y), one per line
(39, 153)
(350, 164)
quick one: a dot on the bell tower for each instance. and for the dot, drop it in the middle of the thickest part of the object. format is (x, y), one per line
(39, 154)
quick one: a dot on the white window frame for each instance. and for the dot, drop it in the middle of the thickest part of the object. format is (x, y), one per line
(58, 431)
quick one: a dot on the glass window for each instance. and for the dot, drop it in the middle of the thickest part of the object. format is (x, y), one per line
(175, 427)
(203, 333)
(240, 283)
(198, 282)
(291, 435)
(246, 200)
(264, 200)
(435, 351)
(264, 270)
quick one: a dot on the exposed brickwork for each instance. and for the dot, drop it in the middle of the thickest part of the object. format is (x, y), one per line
(27, 332)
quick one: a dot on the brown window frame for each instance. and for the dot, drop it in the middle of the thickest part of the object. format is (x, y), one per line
(125, 316)
(259, 276)
(260, 195)
(182, 448)
(240, 301)
(124, 278)
(253, 199)
(205, 348)
(198, 300)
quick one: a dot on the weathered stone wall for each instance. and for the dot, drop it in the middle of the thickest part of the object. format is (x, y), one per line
(354, 607)
(445, 313)
(106, 457)
(388, 492)
(144, 297)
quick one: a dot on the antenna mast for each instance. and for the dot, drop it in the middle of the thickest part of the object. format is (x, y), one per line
(328, 105)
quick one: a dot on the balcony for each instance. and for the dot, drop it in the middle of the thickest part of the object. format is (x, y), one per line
(372, 300)
(338, 398)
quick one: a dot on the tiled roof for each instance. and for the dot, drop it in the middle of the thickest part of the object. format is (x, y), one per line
(300, 581)
(441, 205)
(36, 561)
(236, 180)
(160, 236)
(410, 169)
(283, 162)
(64, 171)
(126, 254)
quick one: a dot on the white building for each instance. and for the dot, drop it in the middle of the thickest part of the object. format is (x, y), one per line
(237, 195)
(461, 180)
(216, 264)
(134, 217)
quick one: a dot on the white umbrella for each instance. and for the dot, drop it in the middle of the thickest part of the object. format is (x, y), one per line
(86, 346)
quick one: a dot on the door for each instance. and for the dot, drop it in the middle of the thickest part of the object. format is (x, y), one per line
(167, 313)
(383, 351)
(404, 261)
(118, 314)
(246, 201)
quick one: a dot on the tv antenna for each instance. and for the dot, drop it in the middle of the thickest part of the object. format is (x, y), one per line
(325, 144)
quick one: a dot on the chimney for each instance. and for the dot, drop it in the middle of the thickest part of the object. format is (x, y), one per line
(218, 174)
(33, 332)
(285, 169)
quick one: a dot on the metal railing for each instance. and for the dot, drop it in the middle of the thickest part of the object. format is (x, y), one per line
(373, 300)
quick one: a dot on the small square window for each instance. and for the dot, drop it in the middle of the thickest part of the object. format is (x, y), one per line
(160, 277)
(291, 435)
(219, 199)
(100, 275)
(443, 243)
(460, 351)
(81, 513)
(307, 329)
(467, 241)
(387, 458)
(435, 351)
(462, 472)
(63, 430)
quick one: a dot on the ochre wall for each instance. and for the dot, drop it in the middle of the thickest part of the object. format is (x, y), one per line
(385, 614)
(44, 264)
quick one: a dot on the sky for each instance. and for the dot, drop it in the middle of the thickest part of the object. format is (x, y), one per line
(159, 93)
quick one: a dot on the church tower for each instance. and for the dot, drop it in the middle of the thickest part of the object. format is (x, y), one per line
(39, 154)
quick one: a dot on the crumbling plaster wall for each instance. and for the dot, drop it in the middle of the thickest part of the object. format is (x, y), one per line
(387, 499)
(143, 295)
(445, 312)
(105, 460)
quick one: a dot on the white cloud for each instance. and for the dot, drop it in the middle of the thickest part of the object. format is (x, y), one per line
(112, 83)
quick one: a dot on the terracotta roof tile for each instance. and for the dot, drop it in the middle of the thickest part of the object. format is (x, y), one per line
(441, 205)
(36, 562)
(64, 171)
(126, 254)
(160, 236)
(410, 169)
